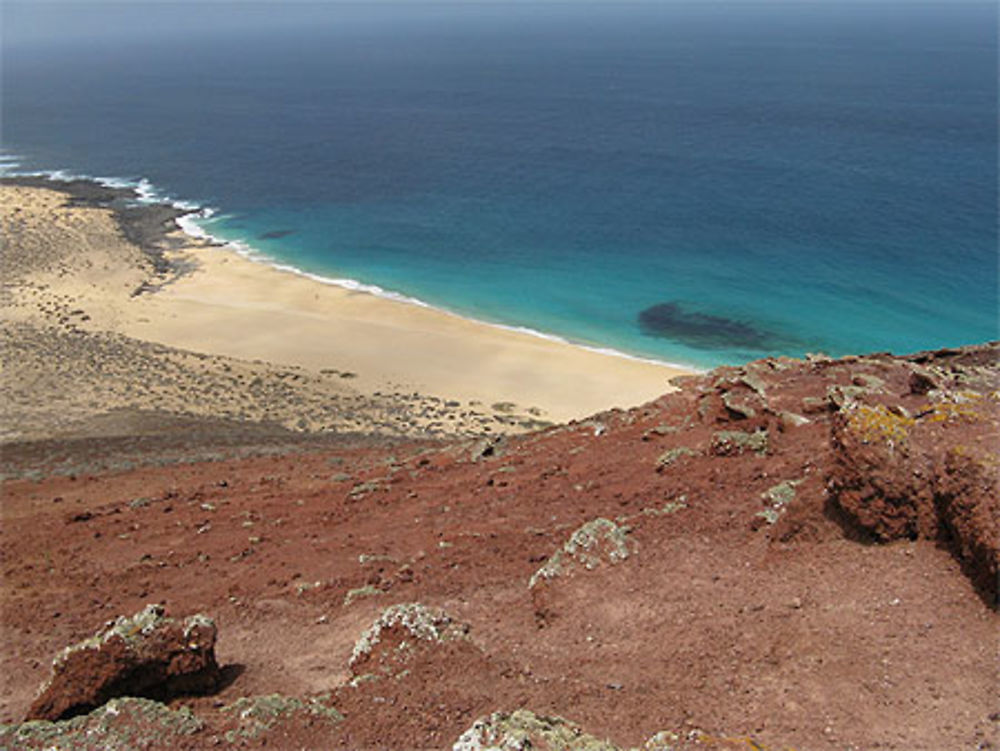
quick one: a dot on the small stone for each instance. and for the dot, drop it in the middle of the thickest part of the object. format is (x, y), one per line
(791, 420)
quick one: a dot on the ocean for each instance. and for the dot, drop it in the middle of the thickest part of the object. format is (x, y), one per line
(698, 183)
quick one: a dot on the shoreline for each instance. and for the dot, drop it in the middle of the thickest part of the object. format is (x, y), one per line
(181, 212)
(206, 297)
(356, 286)
(185, 214)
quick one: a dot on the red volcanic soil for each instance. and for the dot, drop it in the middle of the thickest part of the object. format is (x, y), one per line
(796, 555)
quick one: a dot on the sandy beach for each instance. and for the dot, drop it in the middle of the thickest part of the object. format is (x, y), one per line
(246, 340)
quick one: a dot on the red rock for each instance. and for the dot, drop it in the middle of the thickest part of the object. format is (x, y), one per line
(931, 475)
(146, 654)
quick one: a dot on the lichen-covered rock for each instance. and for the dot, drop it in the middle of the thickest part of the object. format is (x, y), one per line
(841, 396)
(123, 724)
(735, 442)
(258, 714)
(145, 654)
(743, 404)
(361, 592)
(880, 478)
(596, 542)
(776, 499)
(398, 629)
(522, 730)
(672, 455)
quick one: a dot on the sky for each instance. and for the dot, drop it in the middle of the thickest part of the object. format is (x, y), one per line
(41, 23)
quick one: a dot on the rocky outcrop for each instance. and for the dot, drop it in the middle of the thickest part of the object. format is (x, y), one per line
(928, 472)
(522, 730)
(146, 654)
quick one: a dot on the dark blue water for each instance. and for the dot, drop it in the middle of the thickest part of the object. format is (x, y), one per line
(701, 183)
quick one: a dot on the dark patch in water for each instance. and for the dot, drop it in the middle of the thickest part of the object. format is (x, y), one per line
(276, 234)
(670, 320)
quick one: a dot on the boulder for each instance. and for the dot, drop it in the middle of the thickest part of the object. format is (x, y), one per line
(146, 654)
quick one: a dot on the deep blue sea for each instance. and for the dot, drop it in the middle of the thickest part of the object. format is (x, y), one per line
(701, 183)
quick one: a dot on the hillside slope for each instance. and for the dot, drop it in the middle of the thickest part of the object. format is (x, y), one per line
(797, 554)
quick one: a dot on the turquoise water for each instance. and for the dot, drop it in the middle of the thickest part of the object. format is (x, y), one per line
(695, 183)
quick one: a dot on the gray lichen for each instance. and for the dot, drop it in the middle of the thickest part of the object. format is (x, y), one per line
(360, 592)
(421, 622)
(755, 383)
(596, 541)
(302, 587)
(660, 430)
(664, 740)
(777, 499)
(672, 507)
(739, 404)
(363, 488)
(522, 730)
(841, 396)
(198, 620)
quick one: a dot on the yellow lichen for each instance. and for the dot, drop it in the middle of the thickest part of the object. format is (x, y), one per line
(880, 424)
(967, 407)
